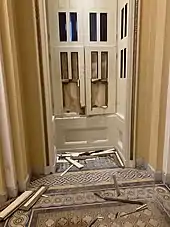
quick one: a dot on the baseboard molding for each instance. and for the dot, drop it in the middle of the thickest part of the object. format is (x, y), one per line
(158, 175)
(50, 169)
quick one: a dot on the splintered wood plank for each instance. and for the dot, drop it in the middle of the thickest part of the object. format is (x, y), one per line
(75, 163)
(34, 198)
(15, 205)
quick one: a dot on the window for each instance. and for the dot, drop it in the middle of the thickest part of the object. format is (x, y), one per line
(122, 22)
(93, 26)
(103, 27)
(73, 27)
(121, 64)
(126, 20)
(62, 27)
(125, 63)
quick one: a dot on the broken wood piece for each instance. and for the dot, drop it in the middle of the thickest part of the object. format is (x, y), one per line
(75, 163)
(142, 207)
(15, 205)
(137, 210)
(90, 152)
(62, 174)
(116, 186)
(34, 198)
(119, 159)
(5, 204)
(94, 221)
(117, 215)
(45, 196)
(106, 152)
(119, 200)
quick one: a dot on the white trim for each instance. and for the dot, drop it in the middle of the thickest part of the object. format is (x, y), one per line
(131, 163)
(50, 169)
(136, 82)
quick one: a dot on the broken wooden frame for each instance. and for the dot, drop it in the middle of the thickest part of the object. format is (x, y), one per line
(8, 211)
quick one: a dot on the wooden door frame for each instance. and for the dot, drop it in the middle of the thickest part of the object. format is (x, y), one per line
(131, 113)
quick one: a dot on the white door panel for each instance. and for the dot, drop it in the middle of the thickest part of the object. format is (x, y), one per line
(78, 133)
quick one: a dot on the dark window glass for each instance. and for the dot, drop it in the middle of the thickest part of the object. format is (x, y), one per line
(73, 27)
(125, 63)
(126, 19)
(93, 26)
(122, 22)
(121, 64)
(62, 27)
(103, 27)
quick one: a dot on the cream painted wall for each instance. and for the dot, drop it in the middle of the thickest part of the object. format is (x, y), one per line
(152, 85)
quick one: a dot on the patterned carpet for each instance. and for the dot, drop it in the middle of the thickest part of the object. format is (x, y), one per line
(77, 205)
(93, 178)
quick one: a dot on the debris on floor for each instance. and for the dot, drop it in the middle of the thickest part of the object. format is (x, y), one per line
(76, 159)
(95, 220)
(116, 186)
(142, 206)
(23, 202)
(15, 205)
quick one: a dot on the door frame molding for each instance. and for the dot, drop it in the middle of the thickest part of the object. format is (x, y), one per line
(131, 113)
(44, 61)
(132, 84)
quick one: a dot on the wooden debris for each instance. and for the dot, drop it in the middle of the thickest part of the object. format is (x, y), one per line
(34, 198)
(144, 207)
(121, 163)
(63, 173)
(95, 220)
(90, 152)
(116, 186)
(8, 211)
(119, 200)
(75, 163)
(117, 215)
(5, 204)
(45, 196)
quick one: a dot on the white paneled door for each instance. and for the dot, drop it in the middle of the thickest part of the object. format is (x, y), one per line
(89, 68)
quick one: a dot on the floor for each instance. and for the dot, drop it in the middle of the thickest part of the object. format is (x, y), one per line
(70, 200)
